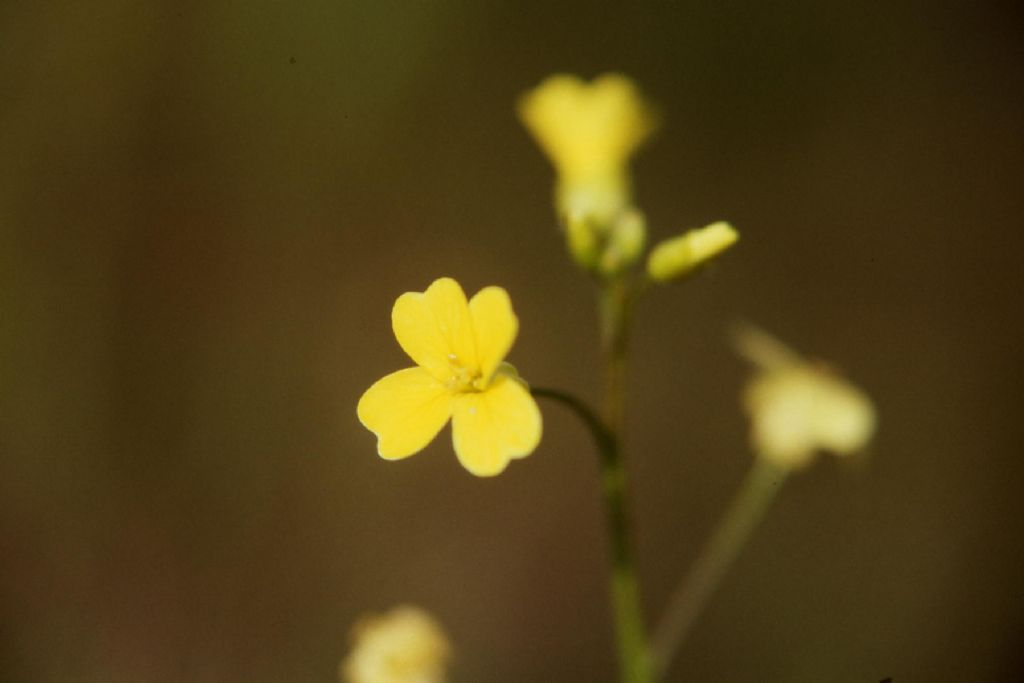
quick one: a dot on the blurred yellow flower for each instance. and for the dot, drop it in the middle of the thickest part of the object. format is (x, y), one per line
(458, 348)
(798, 408)
(589, 131)
(679, 256)
(406, 645)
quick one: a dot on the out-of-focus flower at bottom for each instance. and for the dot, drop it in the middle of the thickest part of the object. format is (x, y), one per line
(405, 645)
(798, 408)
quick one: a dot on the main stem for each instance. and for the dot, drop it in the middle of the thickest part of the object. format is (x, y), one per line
(631, 636)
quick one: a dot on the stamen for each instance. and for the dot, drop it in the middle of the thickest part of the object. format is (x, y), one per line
(463, 379)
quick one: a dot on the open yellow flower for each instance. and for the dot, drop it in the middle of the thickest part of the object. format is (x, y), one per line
(406, 645)
(458, 348)
(798, 408)
(589, 131)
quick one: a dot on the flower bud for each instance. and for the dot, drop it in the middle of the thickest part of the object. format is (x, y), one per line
(625, 242)
(584, 240)
(679, 256)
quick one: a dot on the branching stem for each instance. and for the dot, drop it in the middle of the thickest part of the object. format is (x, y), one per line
(607, 429)
(691, 596)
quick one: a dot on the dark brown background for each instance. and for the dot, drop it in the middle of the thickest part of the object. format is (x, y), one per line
(207, 210)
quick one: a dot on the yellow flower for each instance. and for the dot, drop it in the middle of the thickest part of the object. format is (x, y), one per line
(798, 408)
(589, 131)
(406, 645)
(458, 348)
(681, 255)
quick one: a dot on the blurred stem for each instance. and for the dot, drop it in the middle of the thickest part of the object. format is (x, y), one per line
(691, 596)
(630, 635)
(615, 307)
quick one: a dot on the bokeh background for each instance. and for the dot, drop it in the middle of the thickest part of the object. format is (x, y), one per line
(208, 208)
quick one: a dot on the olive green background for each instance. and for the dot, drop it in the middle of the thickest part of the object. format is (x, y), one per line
(207, 210)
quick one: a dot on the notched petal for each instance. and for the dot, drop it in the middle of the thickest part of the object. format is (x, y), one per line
(491, 427)
(435, 329)
(406, 410)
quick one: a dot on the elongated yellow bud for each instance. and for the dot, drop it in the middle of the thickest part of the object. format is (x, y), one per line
(679, 256)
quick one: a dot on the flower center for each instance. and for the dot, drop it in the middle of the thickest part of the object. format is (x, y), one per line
(463, 379)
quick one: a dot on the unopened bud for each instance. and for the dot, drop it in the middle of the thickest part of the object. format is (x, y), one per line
(625, 243)
(679, 256)
(584, 240)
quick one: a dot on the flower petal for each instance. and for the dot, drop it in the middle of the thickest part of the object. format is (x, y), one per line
(406, 410)
(802, 409)
(434, 328)
(844, 418)
(587, 129)
(495, 326)
(493, 426)
(782, 408)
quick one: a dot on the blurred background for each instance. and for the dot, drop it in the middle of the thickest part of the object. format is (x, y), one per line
(208, 209)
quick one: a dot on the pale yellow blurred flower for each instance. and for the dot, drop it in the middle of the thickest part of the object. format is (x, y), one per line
(405, 645)
(798, 408)
(589, 131)
(678, 256)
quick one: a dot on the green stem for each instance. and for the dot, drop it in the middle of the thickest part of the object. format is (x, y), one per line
(602, 438)
(631, 635)
(606, 428)
(691, 596)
